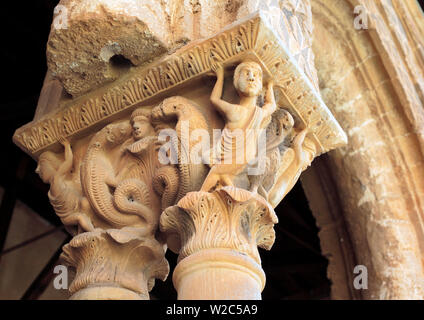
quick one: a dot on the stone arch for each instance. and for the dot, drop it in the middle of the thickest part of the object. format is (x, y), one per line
(368, 196)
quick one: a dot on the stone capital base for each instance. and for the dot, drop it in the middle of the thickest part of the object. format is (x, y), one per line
(107, 292)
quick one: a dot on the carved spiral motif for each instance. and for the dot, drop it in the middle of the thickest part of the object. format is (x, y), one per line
(165, 183)
(132, 196)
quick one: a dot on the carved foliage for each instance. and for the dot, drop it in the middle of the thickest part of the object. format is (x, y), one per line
(116, 192)
(116, 257)
(227, 218)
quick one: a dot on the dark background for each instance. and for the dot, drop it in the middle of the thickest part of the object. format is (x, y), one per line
(294, 267)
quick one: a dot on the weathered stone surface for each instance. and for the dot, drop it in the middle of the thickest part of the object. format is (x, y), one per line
(89, 38)
(252, 35)
(50, 96)
(373, 188)
(93, 41)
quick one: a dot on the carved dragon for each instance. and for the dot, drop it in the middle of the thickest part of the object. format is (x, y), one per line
(165, 183)
(165, 179)
(183, 110)
(129, 204)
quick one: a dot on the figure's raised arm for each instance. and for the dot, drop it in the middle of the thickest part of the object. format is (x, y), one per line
(270, 106)
(225, 108)
(298, 145)
(57, 183)
(66, 166)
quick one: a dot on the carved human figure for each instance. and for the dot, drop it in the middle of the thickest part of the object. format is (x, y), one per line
(143, 132)
(288, 153)
(245, 116)
(65, 195)
(294, 161)
(165, 178)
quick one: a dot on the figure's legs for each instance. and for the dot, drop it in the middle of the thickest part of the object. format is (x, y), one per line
(254, 183)
(254, 188)
(214, 178)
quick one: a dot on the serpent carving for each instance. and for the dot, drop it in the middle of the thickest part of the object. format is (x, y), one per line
(165, 183)
(128, 205)
(184, 111)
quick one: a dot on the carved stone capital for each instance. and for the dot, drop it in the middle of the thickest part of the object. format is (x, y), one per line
(250, 38)
(108, 191)
(229, 218)
(114, 264)
(102, 154)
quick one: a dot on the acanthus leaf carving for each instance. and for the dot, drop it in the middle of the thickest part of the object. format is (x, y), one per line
(226, 218)
(115, 258)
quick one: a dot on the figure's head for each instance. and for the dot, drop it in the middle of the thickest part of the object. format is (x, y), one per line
(140, 121)
(248, 79)
(48, 163)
